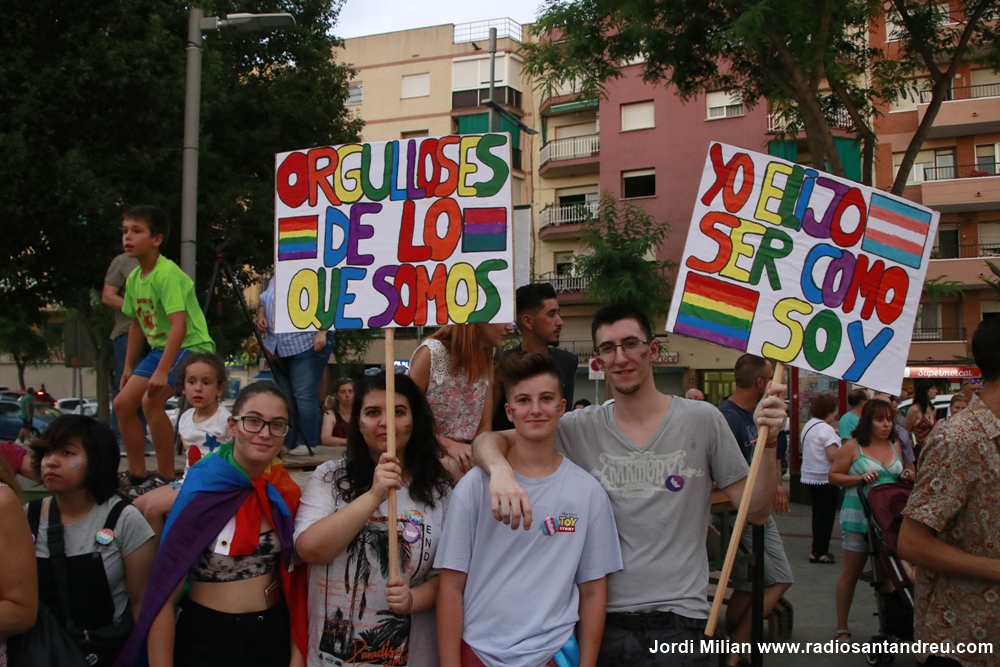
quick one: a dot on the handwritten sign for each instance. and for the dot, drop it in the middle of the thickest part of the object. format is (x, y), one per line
(394, 234)
(802, 267)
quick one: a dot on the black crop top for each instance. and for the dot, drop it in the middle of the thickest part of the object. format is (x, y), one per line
(216, 568)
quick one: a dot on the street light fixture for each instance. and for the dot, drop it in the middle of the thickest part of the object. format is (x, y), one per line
(197, 24)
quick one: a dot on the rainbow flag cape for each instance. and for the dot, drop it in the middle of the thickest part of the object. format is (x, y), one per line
(215, 490)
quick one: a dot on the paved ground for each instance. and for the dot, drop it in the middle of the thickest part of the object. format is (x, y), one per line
(812, 597)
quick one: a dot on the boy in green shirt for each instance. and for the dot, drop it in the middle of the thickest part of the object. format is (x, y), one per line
(160, 299)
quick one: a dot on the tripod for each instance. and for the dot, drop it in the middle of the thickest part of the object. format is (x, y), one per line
(221, 269)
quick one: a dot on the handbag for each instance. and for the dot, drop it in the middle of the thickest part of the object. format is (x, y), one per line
(98, 646)
(46, 644)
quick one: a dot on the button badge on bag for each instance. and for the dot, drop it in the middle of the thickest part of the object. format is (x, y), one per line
(105, 536)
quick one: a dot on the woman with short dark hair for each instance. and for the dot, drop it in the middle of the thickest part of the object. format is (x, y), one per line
(820, 443)
(77, 458)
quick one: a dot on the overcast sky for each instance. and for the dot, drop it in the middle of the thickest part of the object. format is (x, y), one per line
(370, 17)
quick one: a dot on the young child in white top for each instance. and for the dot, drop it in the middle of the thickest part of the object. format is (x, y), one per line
(550, 580)
(202, 427)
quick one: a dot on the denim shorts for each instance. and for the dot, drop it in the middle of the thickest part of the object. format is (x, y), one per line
(148, 365)
(853, 541)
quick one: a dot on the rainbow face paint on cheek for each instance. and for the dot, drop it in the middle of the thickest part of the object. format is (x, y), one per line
(74, 466)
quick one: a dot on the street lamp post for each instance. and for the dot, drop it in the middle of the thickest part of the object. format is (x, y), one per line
(197, 24)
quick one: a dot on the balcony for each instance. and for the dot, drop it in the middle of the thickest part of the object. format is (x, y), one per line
(964, 263)
(571, 289)
(471, 99)
(839, 120)
(571, 156)
(940, 334)
(962, 188)
(966, 251)
(563, 222)
(969, 110)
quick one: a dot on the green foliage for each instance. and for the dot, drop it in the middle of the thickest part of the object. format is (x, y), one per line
(938, 287)
(91, 120)
(349, 349)
(811, 61)
(618, 245)
(28, 339)
(993, 282)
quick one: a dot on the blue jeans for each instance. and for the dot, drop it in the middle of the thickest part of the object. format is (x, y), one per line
(301, 377)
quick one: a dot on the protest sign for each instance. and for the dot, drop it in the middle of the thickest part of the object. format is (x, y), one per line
(394, 234)
(803, 267)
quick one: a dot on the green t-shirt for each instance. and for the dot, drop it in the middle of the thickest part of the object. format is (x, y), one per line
(166, 290)
(847, 424)
(27, 406)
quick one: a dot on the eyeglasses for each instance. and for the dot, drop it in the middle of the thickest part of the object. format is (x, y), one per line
(628, 346)
(278, 427)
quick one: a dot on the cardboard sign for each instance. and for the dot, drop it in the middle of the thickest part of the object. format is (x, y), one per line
(394, 234)
(802, 267)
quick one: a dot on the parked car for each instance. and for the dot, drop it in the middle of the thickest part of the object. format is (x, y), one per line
(70, 406)
(941, 403)
(41, 397)
(10, 419)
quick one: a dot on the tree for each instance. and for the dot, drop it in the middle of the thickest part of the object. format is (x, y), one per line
(91, 117)
(994, 281)
(812, 61)
(618, 246)
(27, 339)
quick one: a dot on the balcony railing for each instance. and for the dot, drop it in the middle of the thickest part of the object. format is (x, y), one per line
(965, 93)
(947, 333)
(978, 170)
(968, 250)
(573, 147)
(479, 31)
(567, 214)
(467, 99)
(562, 283)
(839, 120)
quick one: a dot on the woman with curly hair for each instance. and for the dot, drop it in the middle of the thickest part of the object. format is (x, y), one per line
(355, 610)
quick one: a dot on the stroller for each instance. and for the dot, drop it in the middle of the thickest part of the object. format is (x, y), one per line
(883, 505)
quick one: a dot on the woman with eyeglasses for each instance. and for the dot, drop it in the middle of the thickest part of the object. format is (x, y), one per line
(230, 537)
(454, 369)
(337, 413)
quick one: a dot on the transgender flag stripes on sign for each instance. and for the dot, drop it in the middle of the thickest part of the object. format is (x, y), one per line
(716, 311)
(896, 230)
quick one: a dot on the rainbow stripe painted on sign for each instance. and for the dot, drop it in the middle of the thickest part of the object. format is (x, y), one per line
(297, 238)
(896, 230)
(484, 230)
(716, 311)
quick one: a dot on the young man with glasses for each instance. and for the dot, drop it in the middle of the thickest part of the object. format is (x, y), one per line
(657, 456)
(752, 377)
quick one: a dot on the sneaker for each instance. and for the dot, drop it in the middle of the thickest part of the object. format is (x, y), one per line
(301, 450)
(154, 481)
(126, 480)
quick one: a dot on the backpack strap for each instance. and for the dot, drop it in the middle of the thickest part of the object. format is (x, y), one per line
(116, 512)
(34, 516)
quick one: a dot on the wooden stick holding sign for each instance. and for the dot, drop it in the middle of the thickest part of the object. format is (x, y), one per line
(390, 426)
(741, 515)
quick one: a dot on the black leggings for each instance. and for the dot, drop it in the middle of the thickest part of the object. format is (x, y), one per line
(209, 638)
(824, 510)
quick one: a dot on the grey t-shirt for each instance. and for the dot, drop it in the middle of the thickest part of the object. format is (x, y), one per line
(121, 266)
(131, 532)
(521, 599)
(661, 494)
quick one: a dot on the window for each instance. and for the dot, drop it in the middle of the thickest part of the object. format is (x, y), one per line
(639, 183)
(986, 158)
(724, 104)
(924, 164)
(413, 134)
(354, 94)
(928, 322)
(894, 29)
(416, 85)
(944, 13)
(944, 165)
(474, 73)
(947, 244)
(563, 262)
(638, 116)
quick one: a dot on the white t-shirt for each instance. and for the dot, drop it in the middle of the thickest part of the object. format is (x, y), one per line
(202, 438)
(817, 435)
(521, 600)
(349, 620)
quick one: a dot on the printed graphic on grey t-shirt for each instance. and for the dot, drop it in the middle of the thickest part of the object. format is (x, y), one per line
(639, 474)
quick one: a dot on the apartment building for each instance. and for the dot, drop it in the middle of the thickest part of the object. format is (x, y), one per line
(957, 172)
